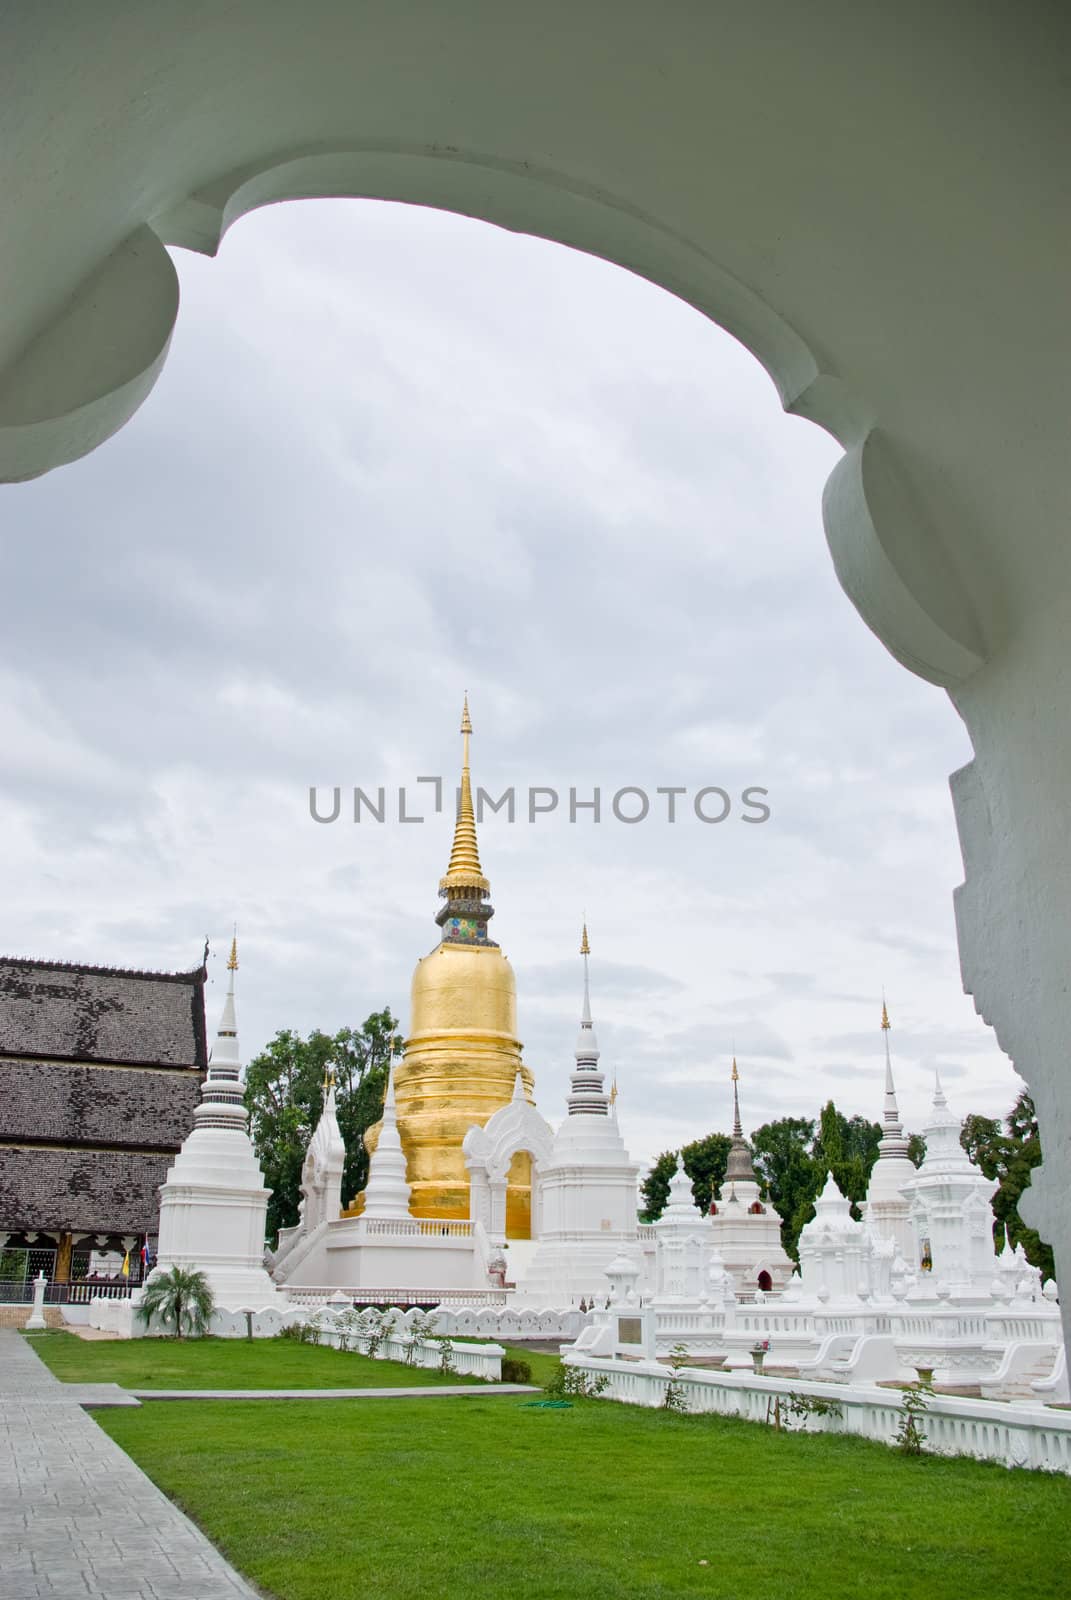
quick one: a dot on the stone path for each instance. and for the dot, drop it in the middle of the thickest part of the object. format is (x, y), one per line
(78, 1520)
(456, 1391)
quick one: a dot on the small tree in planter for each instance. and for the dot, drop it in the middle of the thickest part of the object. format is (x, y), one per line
(378, 1327)
(675, 1398)
(180, 1297)
(446, 1352)
(421, 1327)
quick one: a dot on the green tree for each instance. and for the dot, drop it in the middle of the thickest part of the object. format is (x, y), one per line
(284, 1093)
(789, 1173)
(916, 1148)
(655, 1187)
(1009, 1156)
(704, 1162)
(848, 1148)
(181, 1297)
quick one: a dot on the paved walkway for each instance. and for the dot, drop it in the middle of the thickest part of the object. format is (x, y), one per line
(468, 1391)
(78, 1520)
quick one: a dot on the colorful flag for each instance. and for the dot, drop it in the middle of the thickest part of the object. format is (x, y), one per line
(126, 1265)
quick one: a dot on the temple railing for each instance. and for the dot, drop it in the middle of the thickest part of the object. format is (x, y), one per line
(316, 1294)
(415, 1228)
(78, 1293)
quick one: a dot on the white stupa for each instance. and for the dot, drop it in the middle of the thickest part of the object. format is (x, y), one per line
(587, 1184)
(745, 1229)
(887, 1210)
(951, 1216)
(213, 1203)
(387, 1190)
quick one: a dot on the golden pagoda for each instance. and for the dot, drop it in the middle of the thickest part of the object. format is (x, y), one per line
(462, 1056)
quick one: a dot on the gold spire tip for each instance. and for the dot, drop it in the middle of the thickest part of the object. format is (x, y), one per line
(885, 1016)
(232, 959)
(464, 870)
(735, 1074)
(585, 948)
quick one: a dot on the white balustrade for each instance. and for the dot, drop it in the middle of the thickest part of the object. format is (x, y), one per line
(1021, 1436)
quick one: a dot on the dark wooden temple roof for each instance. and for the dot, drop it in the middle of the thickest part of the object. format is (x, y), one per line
(67, 1011)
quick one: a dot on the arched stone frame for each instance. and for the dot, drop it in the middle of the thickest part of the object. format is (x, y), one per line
(514, 1129)
(823, 240)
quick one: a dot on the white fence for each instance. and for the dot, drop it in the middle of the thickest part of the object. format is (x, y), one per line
(374, 1334)
(1018, 1436)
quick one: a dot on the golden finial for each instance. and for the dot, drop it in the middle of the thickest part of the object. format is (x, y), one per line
(464, 870)
(735, 1074)
(613, 1091)
(585, 948)
(884, 1015)
(232, 959)
(329, 1077)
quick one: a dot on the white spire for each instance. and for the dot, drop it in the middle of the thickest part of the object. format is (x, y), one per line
(387, 1191)
(939, 1101)
(587, 1097)
(893, 1142)
(222, 1095)
(326, 1144)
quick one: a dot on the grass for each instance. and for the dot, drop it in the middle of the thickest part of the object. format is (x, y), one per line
(224, 1364)
(483, 1499)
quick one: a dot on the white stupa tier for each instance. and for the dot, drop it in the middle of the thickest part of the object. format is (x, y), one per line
(213, 1203)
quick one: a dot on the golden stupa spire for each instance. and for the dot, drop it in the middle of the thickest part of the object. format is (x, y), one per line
(464, 872)
(886, 1024)
(585, 948)
(232, 959)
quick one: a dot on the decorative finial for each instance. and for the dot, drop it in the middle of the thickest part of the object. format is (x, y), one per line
(585, 948)
(738, 1130)
(464, 875)
(232, 959)
(613, 1091)
(329, 1077)
(886, 1024)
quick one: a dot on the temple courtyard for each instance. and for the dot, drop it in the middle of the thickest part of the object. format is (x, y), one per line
(477, 1492)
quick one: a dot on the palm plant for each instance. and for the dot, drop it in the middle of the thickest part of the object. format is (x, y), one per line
(180, 1296)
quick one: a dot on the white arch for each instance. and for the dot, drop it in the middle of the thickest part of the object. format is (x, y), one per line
(790, 173)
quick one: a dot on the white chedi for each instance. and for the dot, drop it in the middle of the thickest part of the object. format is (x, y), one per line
(585, 1185)
(213, 1202)
(745, 1229)
(950, 1211)
(887, 1209)
(387, 1191)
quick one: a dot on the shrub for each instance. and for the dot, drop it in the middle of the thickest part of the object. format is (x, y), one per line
(910, 1436)
(514, 1371)
(573, 1384)
(674, 1398)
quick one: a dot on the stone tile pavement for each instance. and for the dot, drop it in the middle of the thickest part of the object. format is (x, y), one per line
(78, 1520)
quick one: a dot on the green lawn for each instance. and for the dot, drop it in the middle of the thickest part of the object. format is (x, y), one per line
(483, 1499)
(223, 1364)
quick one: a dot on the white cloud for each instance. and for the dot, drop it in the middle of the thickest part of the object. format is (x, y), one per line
(395, 455)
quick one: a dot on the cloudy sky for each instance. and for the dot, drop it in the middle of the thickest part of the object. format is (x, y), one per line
(395, 455)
